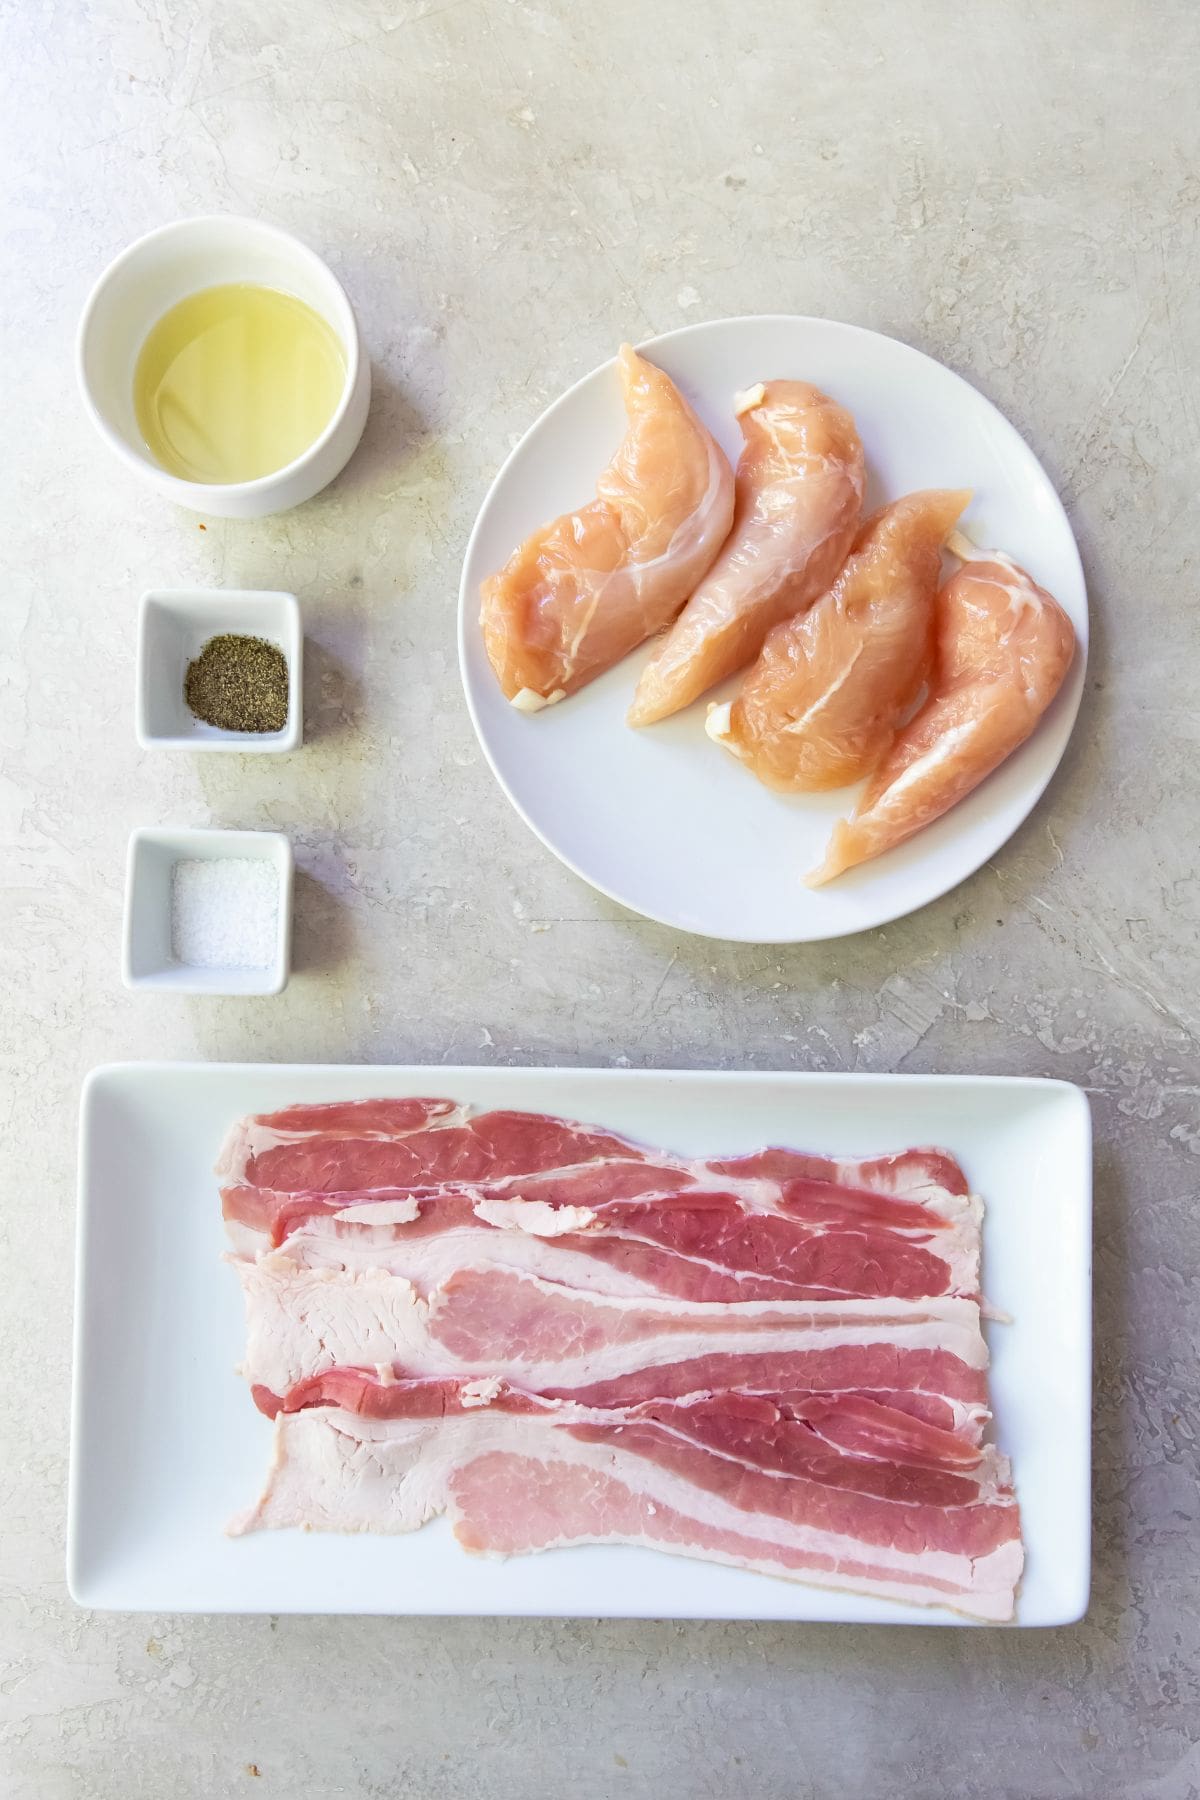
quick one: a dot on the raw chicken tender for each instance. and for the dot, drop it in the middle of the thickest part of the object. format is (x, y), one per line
(582, 592)
(799, 496)
(821, 705)
(1003, 648)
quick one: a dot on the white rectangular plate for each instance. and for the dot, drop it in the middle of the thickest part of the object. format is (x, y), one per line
(166, 1445)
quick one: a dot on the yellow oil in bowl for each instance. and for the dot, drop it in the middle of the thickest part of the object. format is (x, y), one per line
(236, 382)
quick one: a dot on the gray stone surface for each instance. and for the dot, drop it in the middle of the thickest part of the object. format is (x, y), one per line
(507, 190)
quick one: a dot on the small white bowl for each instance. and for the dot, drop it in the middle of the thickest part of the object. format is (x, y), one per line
(161, 269)
(173, 627)
(148, 959)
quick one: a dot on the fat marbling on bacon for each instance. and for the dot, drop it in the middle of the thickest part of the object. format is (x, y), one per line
(421, 1189)
(557, 1336)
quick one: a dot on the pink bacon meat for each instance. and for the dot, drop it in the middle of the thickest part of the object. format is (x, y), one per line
(753, 1484)
(556, 1336)
(422, 1190)
(551, 1339)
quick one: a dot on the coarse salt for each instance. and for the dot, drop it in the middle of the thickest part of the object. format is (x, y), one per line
(224, 912)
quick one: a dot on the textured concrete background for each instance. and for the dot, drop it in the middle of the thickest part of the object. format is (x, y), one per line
(508, 189)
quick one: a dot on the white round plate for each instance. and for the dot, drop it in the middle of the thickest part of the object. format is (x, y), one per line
(663, 820)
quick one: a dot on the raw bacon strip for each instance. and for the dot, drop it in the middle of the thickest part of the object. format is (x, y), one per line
(347, 1242)
(717, 1253)
(846, 1441)
(900, 1225)
(514, 1482)
(552, 1204)
(901, 1360)
(847, 1413)
(378, 1394)
(438, 1145)
(357, 1118)
(774, 1464)
(260, 1217)
(927, 1428)
(281, 1150)
(581, 1201)
(561, 1341)
(819, 1241)
(329, 1124)
(923, 1174)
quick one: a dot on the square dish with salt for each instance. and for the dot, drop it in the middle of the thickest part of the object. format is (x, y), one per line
(208, 912)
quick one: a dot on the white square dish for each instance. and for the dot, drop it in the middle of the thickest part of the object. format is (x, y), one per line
(148, 959)
(173, 628)
(166, 1445)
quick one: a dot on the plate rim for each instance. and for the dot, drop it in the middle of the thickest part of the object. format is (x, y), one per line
(1076, 675)
(1068, 1093)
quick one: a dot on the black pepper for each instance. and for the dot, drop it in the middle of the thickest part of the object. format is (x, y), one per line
(238, 684)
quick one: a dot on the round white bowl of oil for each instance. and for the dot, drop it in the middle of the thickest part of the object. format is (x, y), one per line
(177, 300)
